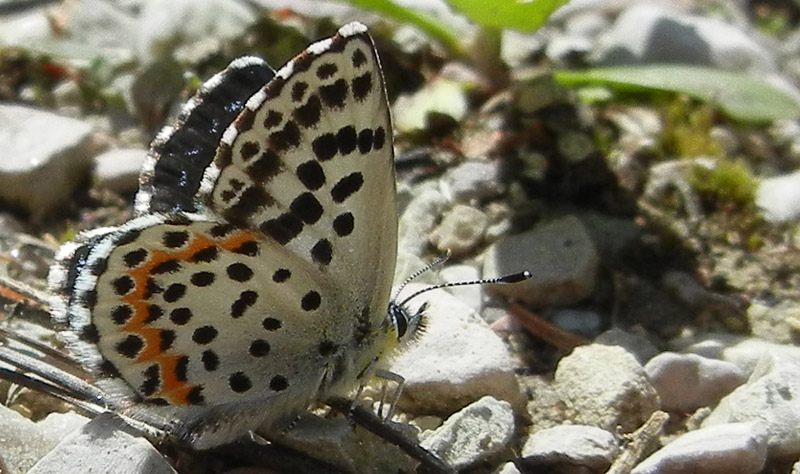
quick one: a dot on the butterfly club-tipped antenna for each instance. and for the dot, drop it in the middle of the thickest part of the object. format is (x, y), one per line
(403, 319)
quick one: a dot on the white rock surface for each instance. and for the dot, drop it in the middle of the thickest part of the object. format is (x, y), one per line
(43, 157)
(105, 445)
(735, 448)
(456, 361)
(475, 433)
(118, 169)
(772, 399)
(686, 382)
(576, 445)
(604, 386)
(748, 353)
(559, 254)
(23, 442)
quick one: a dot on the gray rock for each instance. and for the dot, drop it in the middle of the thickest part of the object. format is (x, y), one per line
(419, 218)
(118, 170)
(778, 198)
(25, 442)
(686, 382)
(473, 180)
(636, 343)
(604, 386)
(575, 445)
(560, 256)
(647, 33)
(44, 157)
(736, 448)
(105, 444)
(460, 231)
(456, 361)
(772, 399)
(582, 322)
(478, 432)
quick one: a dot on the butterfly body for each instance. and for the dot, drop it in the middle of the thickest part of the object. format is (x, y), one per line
(255, 278)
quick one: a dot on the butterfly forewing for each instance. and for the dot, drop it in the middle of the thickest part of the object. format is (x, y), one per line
(309, 163)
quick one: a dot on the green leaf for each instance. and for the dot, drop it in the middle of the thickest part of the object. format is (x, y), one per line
(741, 97)
(427, 25)
(522, 15)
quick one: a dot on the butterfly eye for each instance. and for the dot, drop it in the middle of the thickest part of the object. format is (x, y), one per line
(400, 323)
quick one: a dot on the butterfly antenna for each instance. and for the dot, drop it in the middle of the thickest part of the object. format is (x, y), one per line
(510, 278)
(438, 261)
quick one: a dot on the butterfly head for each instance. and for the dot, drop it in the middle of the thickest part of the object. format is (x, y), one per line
(406, 324)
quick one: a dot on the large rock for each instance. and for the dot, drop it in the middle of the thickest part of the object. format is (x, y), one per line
(686, 382)
(570, 445)
(106, 445)
(560, 256)
(478, 432)
(25, 442)
(772, 399)
(456, 361)
(736, 448)
(604, 386)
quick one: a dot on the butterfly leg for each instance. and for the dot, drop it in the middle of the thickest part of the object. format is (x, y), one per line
(389, 376)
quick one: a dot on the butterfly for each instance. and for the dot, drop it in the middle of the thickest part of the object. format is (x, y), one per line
(255, 277)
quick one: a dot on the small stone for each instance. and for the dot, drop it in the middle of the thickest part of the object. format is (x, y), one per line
(458, 361)
(572, 445)
(473, 180)
(560, 256)
(508, 468)
(45, 157)
(582, 322)
(604, 386)
(686, 382)
(442, 96)
(118, 170)
(735, 448)
(478, 432)
(779, 198)
(419, 219)
(772, 399)
(335, 441)
(460, 231)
